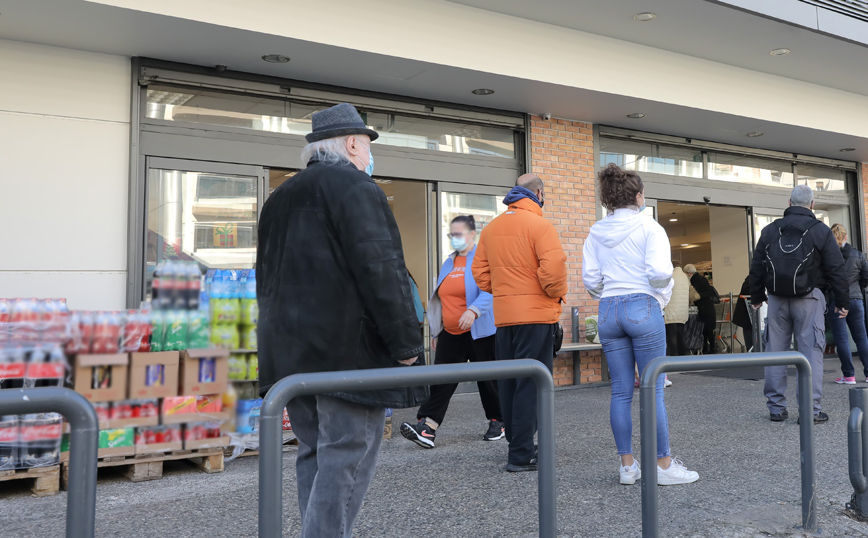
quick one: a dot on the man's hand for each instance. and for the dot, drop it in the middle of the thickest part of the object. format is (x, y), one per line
(466, 320)
(842, 312)
(757, 306)
(408, 362)
(434, 343)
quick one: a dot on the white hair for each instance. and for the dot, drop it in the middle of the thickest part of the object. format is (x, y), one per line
(328, 151)
(802, 196)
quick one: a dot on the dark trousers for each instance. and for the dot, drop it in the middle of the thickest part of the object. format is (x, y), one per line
(518, 396)
(709, 325)
(452, 349)
(675, 344)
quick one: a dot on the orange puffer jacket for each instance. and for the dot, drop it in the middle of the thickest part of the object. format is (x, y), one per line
(521, 262)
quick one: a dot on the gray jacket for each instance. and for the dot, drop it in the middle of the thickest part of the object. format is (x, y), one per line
(856, 269)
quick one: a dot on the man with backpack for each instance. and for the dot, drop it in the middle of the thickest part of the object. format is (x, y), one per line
(796, 258)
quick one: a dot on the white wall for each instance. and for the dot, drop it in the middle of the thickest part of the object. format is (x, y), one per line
(64, 158)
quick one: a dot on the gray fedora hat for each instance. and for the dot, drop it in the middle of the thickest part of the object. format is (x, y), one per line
(339, 120)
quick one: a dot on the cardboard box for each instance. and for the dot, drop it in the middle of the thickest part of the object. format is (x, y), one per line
(214, 442)
(182, 409)
(167, 445)
(115, 364)
(164, 362)
(200, 376)
(114, 442)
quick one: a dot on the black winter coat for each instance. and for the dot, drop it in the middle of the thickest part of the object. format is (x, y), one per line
(856, 269)
(704, 305)
(828, 270)
(741, 316)
(331, 283)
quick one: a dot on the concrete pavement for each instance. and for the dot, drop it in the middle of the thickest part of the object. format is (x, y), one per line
(749, 478)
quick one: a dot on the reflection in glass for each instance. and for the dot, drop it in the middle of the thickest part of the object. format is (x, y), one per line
(654, 158)
(279, 116)
(204, 217)
(749, 169)
(483, 207)
(822, 179)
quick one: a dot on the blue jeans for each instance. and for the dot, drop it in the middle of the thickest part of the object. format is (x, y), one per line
(856, 321)
(632, 333)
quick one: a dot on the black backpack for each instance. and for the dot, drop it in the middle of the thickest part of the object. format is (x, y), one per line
(715, 297)
(789, 261)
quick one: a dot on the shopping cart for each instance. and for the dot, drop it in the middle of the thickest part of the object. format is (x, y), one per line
(693, 331)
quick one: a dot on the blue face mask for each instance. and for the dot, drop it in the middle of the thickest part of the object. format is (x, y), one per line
(459, 243)
(370, 168)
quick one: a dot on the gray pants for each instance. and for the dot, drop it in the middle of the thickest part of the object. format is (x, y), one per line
(338, 444)
(804, 319)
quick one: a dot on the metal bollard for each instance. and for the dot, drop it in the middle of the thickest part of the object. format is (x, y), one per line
(648, 424)
(83, 444)
(574, 319)
(279, 395)
(857, 450)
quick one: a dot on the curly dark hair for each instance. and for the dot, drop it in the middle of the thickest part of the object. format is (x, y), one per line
(618, 188)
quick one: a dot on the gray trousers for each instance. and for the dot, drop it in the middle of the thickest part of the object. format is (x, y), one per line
(338, 444)
(804, 319)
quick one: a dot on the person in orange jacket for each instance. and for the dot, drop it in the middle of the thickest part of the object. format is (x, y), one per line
(521, 262)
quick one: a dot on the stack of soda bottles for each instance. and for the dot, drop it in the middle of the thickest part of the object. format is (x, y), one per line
(178, 319)
(32, 335)
(234, 310)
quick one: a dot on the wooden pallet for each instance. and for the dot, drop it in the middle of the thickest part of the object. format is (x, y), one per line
(46, 480)
(143, 467)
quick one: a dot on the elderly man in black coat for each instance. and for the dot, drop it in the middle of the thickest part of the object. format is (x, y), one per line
(334, 295)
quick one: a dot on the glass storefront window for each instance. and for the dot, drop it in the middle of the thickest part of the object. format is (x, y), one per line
(169, 103)
(748, 169)
(483, 207)
(822, 179)
(202, 217)
(654, 158)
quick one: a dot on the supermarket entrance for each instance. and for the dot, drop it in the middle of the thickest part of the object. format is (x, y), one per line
(716, 239)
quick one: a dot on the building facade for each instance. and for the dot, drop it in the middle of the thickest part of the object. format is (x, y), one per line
(137, 132)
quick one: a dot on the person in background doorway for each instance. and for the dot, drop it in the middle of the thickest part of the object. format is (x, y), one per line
(462, 322)
(626, 266)
(741, 316)
(796, 304)
(705, 306)
(676, 312)
(856, 271)
(521, 262)
(334, 295)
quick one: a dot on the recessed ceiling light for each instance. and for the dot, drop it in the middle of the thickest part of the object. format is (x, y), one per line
(847, 149)
(482, 91)
(673, 220)
(755, 134)
(636, 115)
(685, 244)
(779, 52)
(644, 17)
(275, 58)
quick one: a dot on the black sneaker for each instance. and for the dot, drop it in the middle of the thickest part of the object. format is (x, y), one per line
(421, 433)
(495, 431)
(779, 417)
(819, 418)
(530, 466)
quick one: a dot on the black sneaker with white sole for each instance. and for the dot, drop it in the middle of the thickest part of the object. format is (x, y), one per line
(495, 431)
(532, 465)
(420, 433)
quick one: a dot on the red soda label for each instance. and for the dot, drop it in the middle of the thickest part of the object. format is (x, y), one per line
(8, 435)
(41, 432)
(12, 370)
(45, 370)
(4, 311)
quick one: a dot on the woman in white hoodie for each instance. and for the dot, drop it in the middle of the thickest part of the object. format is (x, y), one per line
(627, 266)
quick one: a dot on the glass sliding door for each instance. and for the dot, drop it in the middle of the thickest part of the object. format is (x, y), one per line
(201, 212)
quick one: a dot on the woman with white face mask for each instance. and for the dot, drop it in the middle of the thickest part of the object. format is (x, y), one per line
(462, 322)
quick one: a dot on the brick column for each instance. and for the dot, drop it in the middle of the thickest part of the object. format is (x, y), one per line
(562, 153)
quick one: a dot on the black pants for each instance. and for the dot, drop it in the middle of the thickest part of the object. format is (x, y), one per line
(518, 396)
(452, 349)
(709, 319)
(675, 344)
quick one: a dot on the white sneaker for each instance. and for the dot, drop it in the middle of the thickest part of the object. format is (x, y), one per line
(629, 475)
(666, 382)
(675, 474)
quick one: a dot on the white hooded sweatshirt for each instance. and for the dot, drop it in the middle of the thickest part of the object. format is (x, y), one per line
(627, 252)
